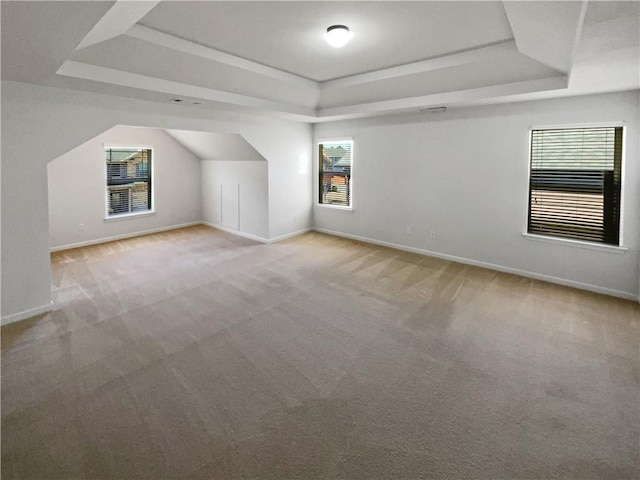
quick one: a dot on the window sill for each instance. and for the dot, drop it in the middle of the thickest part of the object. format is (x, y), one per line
(127, 216)
(340, 208)
(575, 243)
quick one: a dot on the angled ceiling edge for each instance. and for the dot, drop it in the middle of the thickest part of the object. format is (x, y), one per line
(216, 146)
(547, 32)
(118, 19)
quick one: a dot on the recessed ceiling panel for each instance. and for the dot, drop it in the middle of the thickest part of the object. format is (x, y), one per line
(289, 35)
(144, 58)
(462, 77)
(179, 48)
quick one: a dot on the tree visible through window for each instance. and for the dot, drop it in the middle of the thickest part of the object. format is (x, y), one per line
(128, 180)
(575, 183)
(335, 161)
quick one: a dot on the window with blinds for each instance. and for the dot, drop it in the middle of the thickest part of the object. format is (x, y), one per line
(575, 181)
(335, 162)
(128, 180)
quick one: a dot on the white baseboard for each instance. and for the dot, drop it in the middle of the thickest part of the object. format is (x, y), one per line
(490, 266)
(174, 227)
(236, 232)
(290, 235)
(31, 312)
(122, 237)
(524, 273)
(255, 237)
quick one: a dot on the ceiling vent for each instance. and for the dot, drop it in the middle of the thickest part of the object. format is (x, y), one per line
(434, 110)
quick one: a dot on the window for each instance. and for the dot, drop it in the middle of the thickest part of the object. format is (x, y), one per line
(128, 180)
(335, 161)
(575, 182)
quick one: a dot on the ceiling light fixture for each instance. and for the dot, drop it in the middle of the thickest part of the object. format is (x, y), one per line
(338, 35)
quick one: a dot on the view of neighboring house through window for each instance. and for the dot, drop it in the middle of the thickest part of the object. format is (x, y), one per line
(335, 162)
(128, 180)
(575, 183)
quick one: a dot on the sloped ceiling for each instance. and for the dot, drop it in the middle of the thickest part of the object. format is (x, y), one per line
(216, 146)
(271, 58)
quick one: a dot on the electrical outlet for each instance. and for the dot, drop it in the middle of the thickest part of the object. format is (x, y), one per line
(295, 219)
(432, 234)
(81, 226)
(409, 230)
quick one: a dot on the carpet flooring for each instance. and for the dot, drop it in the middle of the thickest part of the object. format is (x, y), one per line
(196, 354)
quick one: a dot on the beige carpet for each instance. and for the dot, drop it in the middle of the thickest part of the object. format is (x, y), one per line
(196, 354)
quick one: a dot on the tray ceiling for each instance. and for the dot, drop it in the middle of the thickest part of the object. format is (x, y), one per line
(289, 35)
(271, 57)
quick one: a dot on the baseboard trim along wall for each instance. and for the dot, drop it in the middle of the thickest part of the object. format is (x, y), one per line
(236, 232)
(31, 312)
(122, 237)
(174, 227)
(290, 235)
(490, 266)
(255, 237)
(16, 317)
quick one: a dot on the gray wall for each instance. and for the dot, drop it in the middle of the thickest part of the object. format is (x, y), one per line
(77, 192)
(250, 178)
(40, 124)
(463, 174)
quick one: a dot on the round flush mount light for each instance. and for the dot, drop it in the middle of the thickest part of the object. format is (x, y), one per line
(338, 35)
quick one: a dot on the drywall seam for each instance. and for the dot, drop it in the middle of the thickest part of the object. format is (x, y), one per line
(490, 266)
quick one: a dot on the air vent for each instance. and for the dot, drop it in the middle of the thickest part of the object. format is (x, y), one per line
(434, 110)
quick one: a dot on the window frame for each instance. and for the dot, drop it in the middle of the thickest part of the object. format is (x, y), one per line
(128, 215)
(316, 182)
(575, 242)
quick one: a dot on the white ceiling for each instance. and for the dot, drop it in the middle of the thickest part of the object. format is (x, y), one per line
(216, 146)
(271, 58)
(289, 35)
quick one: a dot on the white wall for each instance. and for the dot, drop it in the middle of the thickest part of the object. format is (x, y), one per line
(464, 174)
(423, 171)
(251, 177)
(289, 180)
(230, 161)
(77, 188)
(40, 124)
(290, 185)
(216, 146)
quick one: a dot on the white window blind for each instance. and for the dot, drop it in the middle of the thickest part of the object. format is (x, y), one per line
(335, 162)
(128, 180)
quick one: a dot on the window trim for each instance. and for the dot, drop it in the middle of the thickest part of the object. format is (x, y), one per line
(316, 188)
(620, 248)
(567, 242)
(129, 215)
